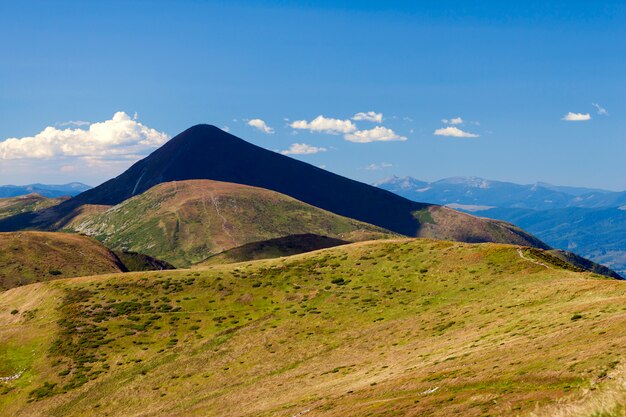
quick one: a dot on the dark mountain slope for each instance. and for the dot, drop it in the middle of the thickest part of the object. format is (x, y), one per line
(274, 248)
(206, 152)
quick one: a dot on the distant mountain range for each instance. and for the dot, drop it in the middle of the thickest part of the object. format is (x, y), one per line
(46, 190)
(472, 193)
(589, 222)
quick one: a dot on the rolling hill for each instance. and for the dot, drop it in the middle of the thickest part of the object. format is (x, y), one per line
(402, 327)
(598, 234)
(591, 223)
(26, 204)
(206, 152)
(184, 222)
(27, 257)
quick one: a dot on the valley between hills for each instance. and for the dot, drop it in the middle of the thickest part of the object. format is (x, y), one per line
(297, 292)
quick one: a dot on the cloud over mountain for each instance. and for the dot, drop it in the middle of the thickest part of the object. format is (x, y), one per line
(118, 137)
(325, 125)
(377, 134)
(349, 130)
(302, 149)
(261, 125)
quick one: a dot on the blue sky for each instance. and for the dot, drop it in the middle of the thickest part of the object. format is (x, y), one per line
(511, 72)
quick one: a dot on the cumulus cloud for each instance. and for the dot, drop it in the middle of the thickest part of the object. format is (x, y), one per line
(302, 149)
(378, 167)
(369, 116)
(325, 125)
(121, 135)
(453, 121)
(377, 134)
(348, 129)
(261, 125)
(576, 117)
(600, 110)
(454, 132)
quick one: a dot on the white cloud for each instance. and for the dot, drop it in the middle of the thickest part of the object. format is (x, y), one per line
(326, 125)
(226, 129)
(378, 167)
(454, 132)
(600, 110)
(302, 149)
(348, 129)
(576, 117)
(74, 123)
(261, 125)
(377, 134)
(369, 116)
(453, 121)
(120, 136)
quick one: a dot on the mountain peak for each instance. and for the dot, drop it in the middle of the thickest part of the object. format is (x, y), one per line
(207, 152)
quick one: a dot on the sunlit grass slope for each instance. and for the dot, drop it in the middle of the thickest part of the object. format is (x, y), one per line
(386, 328)
(27, 257)
(185, 222)
(26, 203)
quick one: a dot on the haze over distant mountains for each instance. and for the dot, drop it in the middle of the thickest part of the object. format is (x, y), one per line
(589, 222)
(465, 192)
(46, 190)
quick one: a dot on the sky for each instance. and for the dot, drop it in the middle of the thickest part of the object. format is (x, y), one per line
(515, 91)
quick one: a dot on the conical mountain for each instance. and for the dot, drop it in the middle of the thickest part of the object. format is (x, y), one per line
(207, 152)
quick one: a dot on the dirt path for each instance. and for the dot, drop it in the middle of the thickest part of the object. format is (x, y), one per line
(536, 262)
(224, 221)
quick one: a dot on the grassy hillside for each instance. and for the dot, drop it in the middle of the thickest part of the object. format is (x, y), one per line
(273, 248)
(26, 204)
(405, 327)
(186, 222)
(440, 222)
(27, 257)
(598, 234)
